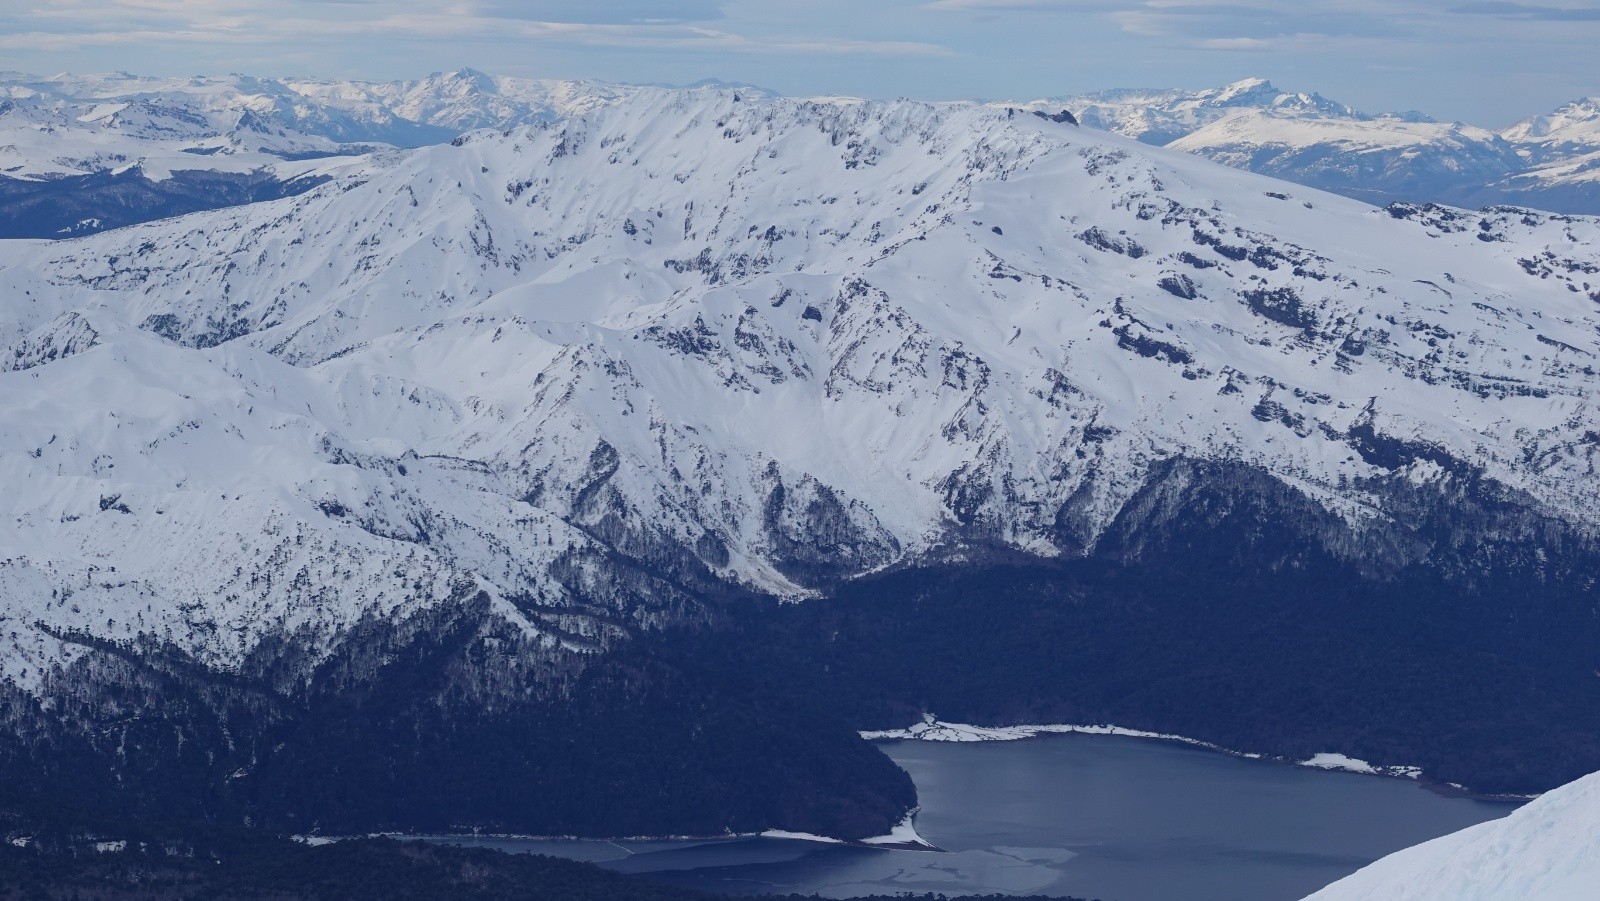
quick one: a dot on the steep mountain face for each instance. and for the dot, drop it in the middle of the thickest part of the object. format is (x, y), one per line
(417, 459)
(1548, 850)
(1545, 162)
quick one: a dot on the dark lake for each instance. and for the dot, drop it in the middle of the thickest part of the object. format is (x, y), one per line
(1121, 819)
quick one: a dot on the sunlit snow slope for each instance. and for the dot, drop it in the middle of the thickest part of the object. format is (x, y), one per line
(1546, 851)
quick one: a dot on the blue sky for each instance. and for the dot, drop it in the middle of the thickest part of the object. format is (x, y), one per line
(1487, 63)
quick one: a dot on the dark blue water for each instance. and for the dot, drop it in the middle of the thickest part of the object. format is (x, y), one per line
(1108, 817)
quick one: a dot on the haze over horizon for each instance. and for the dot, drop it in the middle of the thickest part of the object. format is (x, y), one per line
(1485, 63)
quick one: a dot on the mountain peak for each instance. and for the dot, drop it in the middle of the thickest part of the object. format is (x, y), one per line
(1245, 87)
(1577, 120)
(1259, 93)
(468, 79)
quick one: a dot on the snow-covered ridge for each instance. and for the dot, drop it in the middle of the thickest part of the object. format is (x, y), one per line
(1548, 850)
(583, 369)
(933, 729)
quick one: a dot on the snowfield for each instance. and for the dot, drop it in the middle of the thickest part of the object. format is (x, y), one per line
(1546, 851)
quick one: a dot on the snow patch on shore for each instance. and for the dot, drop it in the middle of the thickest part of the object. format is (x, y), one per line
(1327, 761)
(903, 835)
(801, 836)
(932, 729)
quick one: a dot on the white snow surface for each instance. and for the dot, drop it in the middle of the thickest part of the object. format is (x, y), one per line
(684, 321)
(905, 834)
(1330, 761)
(1548, 850)
(801, 837)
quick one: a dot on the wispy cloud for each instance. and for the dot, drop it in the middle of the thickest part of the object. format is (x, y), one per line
(1529, 12)
(991, 5)
(1254, 18)
(638, 24)
(1256, 44)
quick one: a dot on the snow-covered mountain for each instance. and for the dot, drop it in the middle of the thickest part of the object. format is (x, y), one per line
(1545, 161)
(785, 341)
(1546, 851)
(1572, 130)
(593, 376)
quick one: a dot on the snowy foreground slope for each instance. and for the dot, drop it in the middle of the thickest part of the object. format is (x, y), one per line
(772, 344)
(1546, 851)
(502, 405)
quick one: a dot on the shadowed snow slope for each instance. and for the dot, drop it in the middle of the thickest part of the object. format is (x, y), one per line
(1546, 851)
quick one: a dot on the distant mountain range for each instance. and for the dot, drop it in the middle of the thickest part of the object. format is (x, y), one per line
(1549, 162)
(83, 154)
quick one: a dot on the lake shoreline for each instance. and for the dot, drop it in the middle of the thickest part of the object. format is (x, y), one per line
(902, 837)
(1142, 820)
(931, 729)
